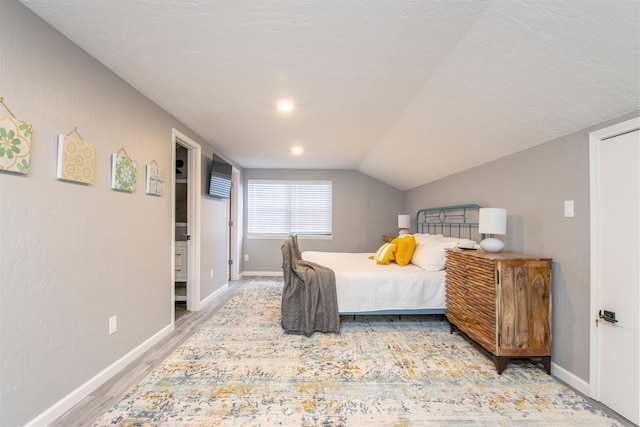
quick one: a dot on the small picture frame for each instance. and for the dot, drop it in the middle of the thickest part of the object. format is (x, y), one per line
(124, 172)
(155, 180)
(15, 145)
(76, 160)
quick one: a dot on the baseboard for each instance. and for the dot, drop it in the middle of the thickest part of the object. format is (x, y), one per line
(213, 295)
(577, 383)
(69, 401)
(262, 273)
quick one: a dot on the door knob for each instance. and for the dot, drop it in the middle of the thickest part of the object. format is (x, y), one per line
(607, 316)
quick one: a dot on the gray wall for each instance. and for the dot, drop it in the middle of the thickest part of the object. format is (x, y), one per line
(71, 256)
(363, 210)
(213, 235)
(533, 185)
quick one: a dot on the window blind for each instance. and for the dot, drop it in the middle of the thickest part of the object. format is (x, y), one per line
(283, 207)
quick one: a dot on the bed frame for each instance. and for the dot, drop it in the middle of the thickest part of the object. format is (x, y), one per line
(452, 221)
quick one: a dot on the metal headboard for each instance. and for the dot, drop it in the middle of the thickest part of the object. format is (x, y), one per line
(455, 221)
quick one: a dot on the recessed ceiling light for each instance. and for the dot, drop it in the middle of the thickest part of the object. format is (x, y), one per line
(285, 106)
(296, 150)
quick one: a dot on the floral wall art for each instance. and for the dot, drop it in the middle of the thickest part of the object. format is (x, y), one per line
(15, 145)
(124, 172)
(76, 160)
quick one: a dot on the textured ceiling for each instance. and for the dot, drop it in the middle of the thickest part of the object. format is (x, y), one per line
(405, 91)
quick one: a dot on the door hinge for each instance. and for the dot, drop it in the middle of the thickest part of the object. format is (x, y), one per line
(230, 262)
(230, 223)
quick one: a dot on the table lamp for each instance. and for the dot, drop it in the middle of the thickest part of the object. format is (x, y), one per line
(404, 224)
(492, 221)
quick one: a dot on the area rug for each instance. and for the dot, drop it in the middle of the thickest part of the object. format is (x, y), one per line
(241, 369)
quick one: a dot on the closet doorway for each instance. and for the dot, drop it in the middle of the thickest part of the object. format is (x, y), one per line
(185, 221)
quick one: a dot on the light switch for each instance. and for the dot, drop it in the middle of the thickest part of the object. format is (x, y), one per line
(113, 325)
(568, 208)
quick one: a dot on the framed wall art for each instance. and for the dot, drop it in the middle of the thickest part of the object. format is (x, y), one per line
(124, 172)
(15, 143)
(155, 179)
(76, 159)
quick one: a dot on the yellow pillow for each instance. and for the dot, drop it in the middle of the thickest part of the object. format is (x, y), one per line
(406, 246)
(385, 254)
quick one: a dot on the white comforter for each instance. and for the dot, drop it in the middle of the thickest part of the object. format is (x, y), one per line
(364, 286)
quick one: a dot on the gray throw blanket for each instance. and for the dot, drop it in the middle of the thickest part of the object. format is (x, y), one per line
(309, 300)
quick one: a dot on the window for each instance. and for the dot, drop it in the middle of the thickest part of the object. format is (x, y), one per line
(279, 207)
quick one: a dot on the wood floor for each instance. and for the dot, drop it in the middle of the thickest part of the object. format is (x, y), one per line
(88, 410)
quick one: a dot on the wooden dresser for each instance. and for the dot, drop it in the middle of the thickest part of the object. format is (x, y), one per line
(502, 301)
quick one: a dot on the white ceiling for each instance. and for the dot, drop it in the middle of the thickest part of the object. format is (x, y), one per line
(407, 91)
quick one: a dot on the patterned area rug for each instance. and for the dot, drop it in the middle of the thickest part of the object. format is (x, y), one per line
(242, 369)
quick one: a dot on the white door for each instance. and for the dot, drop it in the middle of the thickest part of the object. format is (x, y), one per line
(194, 179)
(618, 273)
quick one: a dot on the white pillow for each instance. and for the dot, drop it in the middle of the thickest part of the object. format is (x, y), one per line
(420, 238)
(460, 242)
(429, 253)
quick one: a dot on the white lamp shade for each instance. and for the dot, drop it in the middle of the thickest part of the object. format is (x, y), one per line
(492, 221)
(404, 221)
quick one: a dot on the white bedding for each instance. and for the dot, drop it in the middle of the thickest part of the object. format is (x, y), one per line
(364, 286)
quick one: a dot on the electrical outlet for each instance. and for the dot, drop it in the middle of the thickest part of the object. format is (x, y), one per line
(211, 273)
(246, 257)
(113, 325)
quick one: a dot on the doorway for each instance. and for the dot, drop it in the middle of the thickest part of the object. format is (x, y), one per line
(615, 275)
(185, 222)
(182, 230)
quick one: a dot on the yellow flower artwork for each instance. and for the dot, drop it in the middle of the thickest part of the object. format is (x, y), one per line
(15, 145)
(76, 160)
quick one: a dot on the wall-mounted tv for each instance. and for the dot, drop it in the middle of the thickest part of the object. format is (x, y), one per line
(220, 182)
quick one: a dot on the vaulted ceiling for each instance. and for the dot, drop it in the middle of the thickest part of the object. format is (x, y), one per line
(406, 91)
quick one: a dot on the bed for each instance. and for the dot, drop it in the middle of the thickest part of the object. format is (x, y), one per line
(364, 287)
